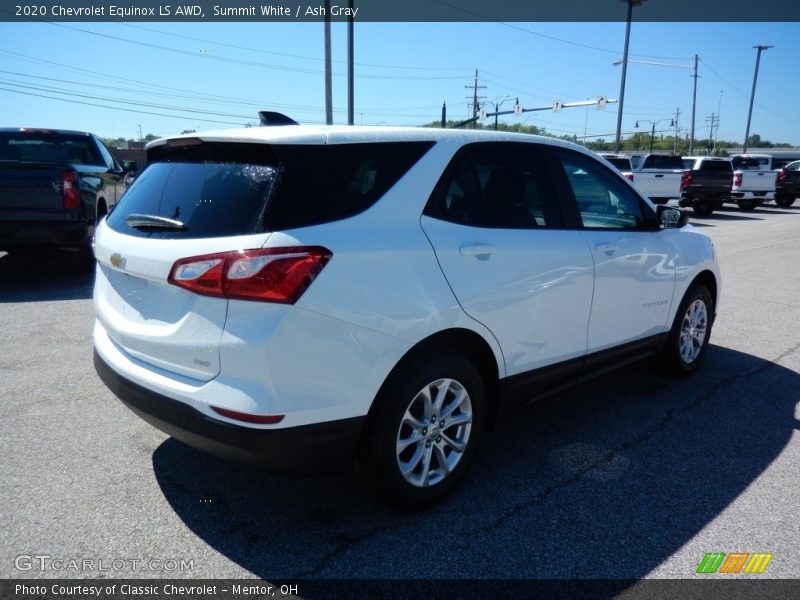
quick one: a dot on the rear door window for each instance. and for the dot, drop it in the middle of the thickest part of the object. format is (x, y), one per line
(497, 185)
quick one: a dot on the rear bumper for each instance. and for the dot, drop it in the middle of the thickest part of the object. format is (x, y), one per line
(322, 447)
(45, 233)
(691, 197)
(749, 195)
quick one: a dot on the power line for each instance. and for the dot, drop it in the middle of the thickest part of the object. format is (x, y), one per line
(287, 55)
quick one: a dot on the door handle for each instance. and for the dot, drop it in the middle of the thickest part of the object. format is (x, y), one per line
(479, 250)
(659, 175)
(607, 249)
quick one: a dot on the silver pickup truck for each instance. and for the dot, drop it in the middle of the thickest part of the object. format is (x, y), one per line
(658, 176)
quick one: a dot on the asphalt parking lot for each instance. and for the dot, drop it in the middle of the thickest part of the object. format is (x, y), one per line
(632, 476)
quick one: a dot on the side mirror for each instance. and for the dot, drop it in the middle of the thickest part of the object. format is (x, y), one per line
(670, 217)
(130, 166)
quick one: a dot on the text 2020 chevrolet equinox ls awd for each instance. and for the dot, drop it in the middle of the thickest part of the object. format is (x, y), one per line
(299, 296)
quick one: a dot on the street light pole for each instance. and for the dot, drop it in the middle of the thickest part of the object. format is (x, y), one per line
(694, 104)
(630, 3)
(694, 89)
(752, 96)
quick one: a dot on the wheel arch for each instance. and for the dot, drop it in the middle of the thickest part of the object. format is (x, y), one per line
(707, 279)
(457, 341)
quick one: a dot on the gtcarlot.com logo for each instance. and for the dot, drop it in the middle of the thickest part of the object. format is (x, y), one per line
(45, 562)
(734, 563)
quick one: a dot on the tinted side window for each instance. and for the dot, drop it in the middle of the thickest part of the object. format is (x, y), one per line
(496, 185)
(320, 184)
(604, 201)
(109, 160)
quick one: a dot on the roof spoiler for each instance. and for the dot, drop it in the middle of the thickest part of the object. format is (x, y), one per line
(269, 118)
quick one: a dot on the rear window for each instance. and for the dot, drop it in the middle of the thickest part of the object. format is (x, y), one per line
(655, 161)
(716, 166)
(226, 189)
(47, 147)
(746, 163)
(623, 164)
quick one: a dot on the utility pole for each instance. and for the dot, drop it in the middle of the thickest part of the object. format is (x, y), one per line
(694, 104)
(444, 115)
(631, 4)
(752, 96)
(677, 116)
(328, 66)
(350, 68)
(475, 106)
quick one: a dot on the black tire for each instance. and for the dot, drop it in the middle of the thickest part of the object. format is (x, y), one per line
(784, 200)
(682, 354)
(747, 205)
(703, 209)
(380, 456)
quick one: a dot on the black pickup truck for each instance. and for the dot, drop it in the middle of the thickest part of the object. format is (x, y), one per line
(54, 185)
(706, 183)
(787, 184)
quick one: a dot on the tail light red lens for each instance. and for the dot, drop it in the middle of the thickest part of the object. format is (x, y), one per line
(781, 177)
(737, 179)
(686, 180)
(629, 176)
(279, 275)
(70, 190)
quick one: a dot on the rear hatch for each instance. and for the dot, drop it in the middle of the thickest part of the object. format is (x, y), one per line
(195, 199)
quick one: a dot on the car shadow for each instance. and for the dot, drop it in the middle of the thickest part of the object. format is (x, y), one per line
(717, 216)
(44, 275)
(604, 481)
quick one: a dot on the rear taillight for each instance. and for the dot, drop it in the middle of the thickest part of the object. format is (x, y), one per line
(268, 275)
(781, 179)
(70, 190)
(629, 176)
(737, 179)
(686, 180)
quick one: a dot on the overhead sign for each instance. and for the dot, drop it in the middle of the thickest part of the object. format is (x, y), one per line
(557, 106)
(601, 102)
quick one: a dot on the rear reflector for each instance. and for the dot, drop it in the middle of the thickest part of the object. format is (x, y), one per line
(279, 275)
(247, 417)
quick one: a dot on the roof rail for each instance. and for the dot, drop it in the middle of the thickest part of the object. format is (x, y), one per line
(270, 118)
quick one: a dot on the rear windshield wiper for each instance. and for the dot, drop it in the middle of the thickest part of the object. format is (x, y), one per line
(154, 221)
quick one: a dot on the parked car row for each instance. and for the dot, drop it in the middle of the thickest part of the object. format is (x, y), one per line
(705, 183)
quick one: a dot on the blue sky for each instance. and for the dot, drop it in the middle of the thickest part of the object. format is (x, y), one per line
(404, 72)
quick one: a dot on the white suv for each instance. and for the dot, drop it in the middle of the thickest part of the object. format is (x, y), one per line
(298, 297)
